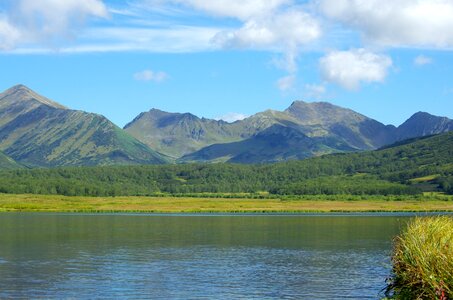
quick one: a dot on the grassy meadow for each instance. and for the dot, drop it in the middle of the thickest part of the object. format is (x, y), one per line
(338, 203)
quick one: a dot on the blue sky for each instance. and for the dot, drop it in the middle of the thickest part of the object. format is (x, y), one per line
(231, 58)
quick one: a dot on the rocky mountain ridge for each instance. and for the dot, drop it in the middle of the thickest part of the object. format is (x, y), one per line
(317, 128)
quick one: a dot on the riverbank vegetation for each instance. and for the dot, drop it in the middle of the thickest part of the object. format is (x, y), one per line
(423, 260)
(314, 204)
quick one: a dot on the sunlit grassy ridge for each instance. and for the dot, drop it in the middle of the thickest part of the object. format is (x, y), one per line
(423, 260)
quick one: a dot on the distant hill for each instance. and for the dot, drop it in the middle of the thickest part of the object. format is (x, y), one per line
(37, 131)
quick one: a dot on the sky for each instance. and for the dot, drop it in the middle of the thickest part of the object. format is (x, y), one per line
(229, 59)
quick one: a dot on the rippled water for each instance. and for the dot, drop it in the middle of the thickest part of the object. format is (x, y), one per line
(193, 257)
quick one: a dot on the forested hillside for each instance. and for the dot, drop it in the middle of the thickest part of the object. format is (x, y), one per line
(420, 165)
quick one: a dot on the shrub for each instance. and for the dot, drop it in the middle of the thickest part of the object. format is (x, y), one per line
(423, 260)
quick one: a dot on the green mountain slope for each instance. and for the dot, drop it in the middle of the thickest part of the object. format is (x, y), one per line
(187, 135)
(7, 162)
(39, 132)
(177, 134)
(424, 164)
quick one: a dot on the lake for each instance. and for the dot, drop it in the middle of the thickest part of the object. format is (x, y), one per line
(195, 256)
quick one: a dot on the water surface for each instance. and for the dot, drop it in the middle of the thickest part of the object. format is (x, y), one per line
(193, 257)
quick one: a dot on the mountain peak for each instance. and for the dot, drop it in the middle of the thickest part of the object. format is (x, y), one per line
(424, 115)
(423, 123)
(21, 92)
(155, 110)
(322, 113)
(20, 87)
(297, 102)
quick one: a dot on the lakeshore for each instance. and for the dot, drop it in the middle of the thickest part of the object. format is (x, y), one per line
(171, 204)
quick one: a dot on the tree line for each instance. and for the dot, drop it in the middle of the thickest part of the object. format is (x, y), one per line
(384, 172)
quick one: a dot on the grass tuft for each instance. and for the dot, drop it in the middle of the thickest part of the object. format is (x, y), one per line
(423, 260)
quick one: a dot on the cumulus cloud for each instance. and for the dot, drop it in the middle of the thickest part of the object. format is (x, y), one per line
(315, 91)
(272, 25)
(29, 21)
(285, 32)
(349, 68)
(402, 23)
(286, 83)
(149, 75)
(422, 60)
(232, 117)
(9, 35)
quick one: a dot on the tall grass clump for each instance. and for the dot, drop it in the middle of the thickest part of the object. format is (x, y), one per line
(423, 260)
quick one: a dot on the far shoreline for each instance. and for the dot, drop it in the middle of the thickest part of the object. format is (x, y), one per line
(212, 206)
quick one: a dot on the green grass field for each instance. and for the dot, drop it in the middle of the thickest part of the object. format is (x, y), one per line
(341, 203)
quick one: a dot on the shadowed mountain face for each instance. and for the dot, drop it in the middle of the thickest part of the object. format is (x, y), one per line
(275, 143)
(302, 130)
(39, 132)
(422, 124)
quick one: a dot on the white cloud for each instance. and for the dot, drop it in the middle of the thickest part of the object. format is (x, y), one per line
(9, 35)
(149, 75)
(123, 39)
(286, 83)
(402, 23)
(280, 26)
(268, 25)
(239, 9)
(232, 117)
(350, 68)
(172, 39)
(422, 60)
(315, 91)
(31, 21)
(285, 32)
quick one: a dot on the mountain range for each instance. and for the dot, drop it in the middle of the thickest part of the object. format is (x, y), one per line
(38, 132)
(302, 130)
